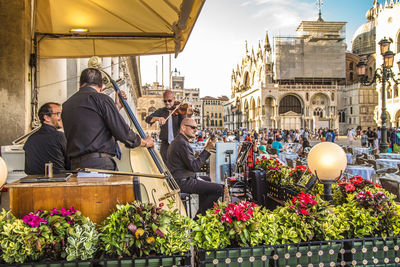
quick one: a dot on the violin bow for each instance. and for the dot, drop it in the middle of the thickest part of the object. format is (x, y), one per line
(180, 104)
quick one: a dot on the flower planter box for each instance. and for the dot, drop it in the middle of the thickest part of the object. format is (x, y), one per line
(156, 261)
(235, 257)
(304, 254)
(375, 252)
(53, 264)
(146, 262)
(275, 190)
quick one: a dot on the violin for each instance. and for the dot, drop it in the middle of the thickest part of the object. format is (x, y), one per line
(182, 108)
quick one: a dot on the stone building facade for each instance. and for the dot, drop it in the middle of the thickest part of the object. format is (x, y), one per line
(293, 86)
(213, 112)
(387, 18)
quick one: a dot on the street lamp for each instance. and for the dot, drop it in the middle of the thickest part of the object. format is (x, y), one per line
(327, 161)
(383, 74)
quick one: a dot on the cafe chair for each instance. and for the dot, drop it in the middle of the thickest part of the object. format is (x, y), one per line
(391, 184)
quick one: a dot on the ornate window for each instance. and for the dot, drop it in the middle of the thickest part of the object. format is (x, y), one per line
(318, 112)
(290, 103)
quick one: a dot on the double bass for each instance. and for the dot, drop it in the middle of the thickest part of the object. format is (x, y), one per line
(155, 182)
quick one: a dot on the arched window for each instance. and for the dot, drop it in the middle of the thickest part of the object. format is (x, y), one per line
(351, 76)
(152, 102)
(151, 109)
(212, 122)
(318, 112)
(351, 66)
(290, 103)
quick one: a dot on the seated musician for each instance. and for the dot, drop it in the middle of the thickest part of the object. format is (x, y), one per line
(47, 144)
(183, 165)
(169, 128)
(92, 126)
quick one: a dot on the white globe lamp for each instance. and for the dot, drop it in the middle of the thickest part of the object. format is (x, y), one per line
(327, 161)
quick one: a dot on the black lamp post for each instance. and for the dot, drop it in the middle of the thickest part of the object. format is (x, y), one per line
(383, 74)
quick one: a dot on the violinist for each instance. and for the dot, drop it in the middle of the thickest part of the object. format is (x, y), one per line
(170, 127)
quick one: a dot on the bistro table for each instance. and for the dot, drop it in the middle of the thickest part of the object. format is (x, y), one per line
(361, 150)
(389, 155)
(388, 163)
(363, 171)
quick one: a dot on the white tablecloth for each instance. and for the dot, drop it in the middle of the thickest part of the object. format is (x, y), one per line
(283, 156)
(389, 155)
(349, 157)
(388, 163)
(361, 150)
(363, 171)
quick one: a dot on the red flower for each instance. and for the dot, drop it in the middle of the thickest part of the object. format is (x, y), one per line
(350, 187)
(304, 212)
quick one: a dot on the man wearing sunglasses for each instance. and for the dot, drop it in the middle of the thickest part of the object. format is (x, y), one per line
(183, 166)
(170, 127)
(47, 144)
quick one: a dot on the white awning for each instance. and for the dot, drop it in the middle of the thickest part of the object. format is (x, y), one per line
(114, 27)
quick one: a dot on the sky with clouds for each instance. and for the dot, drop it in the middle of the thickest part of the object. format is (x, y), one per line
(217, 42)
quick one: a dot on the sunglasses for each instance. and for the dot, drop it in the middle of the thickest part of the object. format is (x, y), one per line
(191, 126)
(168, 101)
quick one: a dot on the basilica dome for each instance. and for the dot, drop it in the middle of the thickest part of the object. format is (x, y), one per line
(363, 42)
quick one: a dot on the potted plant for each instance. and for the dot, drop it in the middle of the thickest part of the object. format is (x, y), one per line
(42, 236)
(307, 218)
(137, 230)
(230, 232)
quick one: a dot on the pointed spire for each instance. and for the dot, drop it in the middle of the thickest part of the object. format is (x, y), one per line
(247, 50)
(259, 52)
(252, 53)
(267, 45)
(319, 5)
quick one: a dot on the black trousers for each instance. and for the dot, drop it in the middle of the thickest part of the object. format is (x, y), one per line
(208, 191)
(95, 163)
(163, 150)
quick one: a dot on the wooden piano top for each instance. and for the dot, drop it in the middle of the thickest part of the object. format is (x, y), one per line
(74, 181)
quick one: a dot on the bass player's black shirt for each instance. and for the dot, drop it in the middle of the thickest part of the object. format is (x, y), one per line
(92, 123)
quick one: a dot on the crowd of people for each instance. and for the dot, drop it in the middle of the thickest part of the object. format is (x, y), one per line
(92, 126)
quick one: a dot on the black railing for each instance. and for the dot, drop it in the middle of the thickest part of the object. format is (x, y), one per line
(346, 252)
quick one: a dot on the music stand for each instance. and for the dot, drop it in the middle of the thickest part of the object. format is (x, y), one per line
(241, 162)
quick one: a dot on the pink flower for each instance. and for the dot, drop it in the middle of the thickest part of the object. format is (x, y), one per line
(65, 212)
(33, 220)
(54, 211)
(72, 209)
